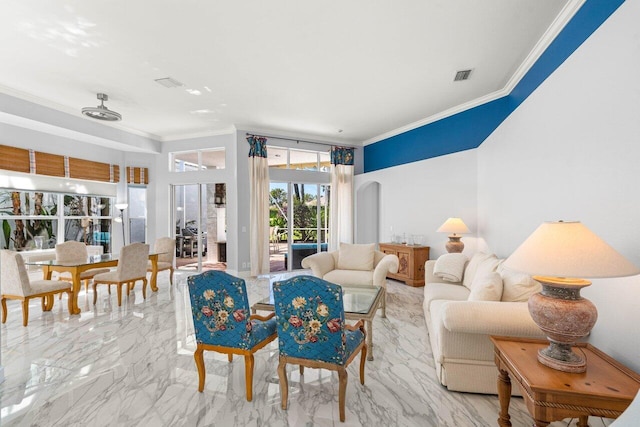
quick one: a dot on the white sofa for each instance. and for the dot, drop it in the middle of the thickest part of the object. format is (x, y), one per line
(459, 328)
(354, 265)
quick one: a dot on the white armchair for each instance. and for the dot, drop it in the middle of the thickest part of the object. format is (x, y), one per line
(354, 265)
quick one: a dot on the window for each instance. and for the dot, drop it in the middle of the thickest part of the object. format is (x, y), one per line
(189, 161)
(137, 214)
(27, 215)
(289, 158)
(34, 220)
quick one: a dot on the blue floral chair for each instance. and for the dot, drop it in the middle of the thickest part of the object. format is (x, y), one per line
(312, 332)
(220, 310)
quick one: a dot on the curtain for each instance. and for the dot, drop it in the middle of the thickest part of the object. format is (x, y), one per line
(341, 198)
(258, 205)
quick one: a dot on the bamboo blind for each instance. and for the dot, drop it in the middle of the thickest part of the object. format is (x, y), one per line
(137, 175)
(14, 159)
(49, 164)
(29, 161)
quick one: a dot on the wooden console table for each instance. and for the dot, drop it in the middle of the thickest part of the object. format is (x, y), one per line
(606, 389)
(412, 259)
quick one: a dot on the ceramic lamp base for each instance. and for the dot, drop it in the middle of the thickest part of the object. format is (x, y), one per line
(564, 316)
(454, 245)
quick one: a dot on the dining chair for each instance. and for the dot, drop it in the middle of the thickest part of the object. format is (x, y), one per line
(73, 251)
(222, 323)
(312, 332)
(165, 247)
(132, 266)
(15, 284)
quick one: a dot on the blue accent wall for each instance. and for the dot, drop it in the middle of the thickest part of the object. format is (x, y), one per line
(468, 129)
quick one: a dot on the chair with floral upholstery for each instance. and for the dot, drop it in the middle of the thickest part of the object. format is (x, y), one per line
(222, 323)
(132, 266)
(165, 247)
(312, 332)
(15, 283)
(73, 251)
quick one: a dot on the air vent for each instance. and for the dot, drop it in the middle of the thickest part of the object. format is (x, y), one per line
(169, 82)
(462, 75)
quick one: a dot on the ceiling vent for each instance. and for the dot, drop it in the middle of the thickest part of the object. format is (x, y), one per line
(169, 82)
(101, 112)
(462, 75)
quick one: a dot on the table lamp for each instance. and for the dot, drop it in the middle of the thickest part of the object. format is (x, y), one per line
(454, 226)
(556, 254)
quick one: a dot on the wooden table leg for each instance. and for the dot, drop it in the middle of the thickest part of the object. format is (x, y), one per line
(583, 421)
(504, 395)
(369, 326)
(154, 273)
(75, 291)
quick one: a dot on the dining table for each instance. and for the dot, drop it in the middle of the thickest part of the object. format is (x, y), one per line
(93, 261)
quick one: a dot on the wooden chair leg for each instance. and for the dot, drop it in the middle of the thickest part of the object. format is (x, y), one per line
(284, 385)
(144, 288)
(301, 367)
(199, 358)
(342, 391)
(363, 359)
(171, 276)
(43, 303)
(4, 309)
(230, 357)
(25, 311)
(248, 375)
(384, 304)
(95, 293)
(119, 286)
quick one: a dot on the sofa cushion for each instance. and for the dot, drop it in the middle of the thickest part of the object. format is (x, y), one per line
(444, 291)
(486, 288)
(517, 287)
(481, 263)
(356, 257)
(350, 277)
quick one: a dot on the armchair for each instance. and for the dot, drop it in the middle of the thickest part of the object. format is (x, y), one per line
(354, 265)
(220, 310)
(312, 332)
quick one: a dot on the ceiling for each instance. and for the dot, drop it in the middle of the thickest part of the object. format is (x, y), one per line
(346, 71)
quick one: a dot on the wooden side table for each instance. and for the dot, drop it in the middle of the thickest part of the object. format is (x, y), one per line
(606, 389)
(412, 259)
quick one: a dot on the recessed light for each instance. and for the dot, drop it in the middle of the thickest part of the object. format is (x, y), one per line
(194, 91)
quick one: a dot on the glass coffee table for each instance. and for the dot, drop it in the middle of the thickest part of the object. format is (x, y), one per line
(359, 304)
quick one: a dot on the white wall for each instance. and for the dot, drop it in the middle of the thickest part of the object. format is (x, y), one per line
(418, 197)
(571, 151)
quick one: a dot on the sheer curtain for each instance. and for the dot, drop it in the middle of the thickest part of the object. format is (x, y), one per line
(341, 199)
(259, 205)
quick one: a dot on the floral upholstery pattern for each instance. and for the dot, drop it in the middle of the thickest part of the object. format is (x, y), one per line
(220, 310)
(310, 318)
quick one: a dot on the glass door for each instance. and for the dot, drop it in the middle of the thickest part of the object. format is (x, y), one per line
(301, 231)
(199, 215)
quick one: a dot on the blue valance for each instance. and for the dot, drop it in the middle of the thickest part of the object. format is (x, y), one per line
(341, 155)
(258, 146)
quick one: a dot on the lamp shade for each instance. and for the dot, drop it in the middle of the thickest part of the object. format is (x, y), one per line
(454, 226)
(568, 249)
(121, 206)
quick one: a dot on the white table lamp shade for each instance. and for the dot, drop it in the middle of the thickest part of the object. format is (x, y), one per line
(453, 226)
(568, 249)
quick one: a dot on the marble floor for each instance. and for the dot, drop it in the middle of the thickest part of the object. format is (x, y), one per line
(133, 366)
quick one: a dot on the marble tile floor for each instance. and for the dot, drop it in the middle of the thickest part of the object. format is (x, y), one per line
(133, 366)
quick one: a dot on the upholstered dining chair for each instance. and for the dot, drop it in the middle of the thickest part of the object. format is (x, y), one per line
(73, 251)
(132, 266)
(312, 332)
(165, 247)
(222, 323)
(15, 284)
